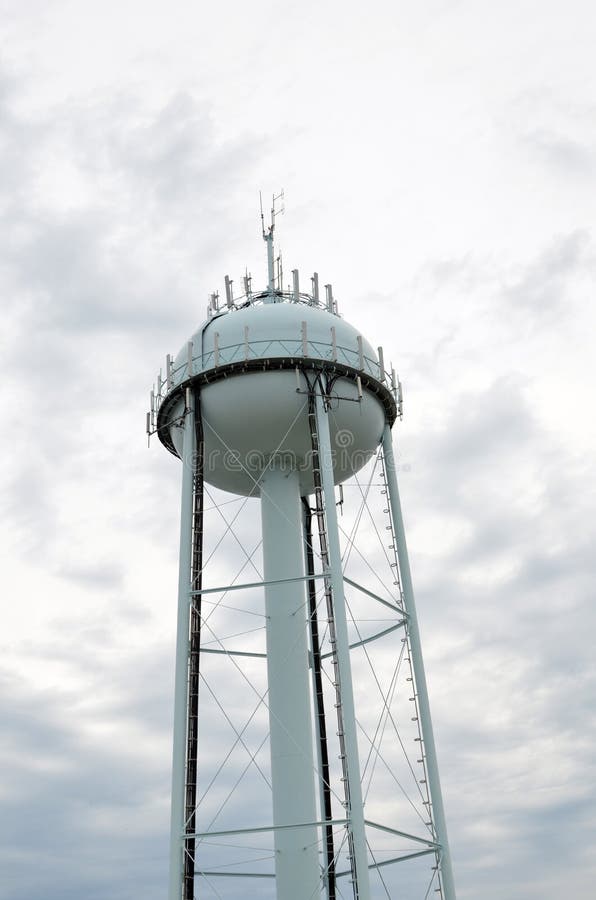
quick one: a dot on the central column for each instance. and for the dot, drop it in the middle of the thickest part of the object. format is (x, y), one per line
(297, 867)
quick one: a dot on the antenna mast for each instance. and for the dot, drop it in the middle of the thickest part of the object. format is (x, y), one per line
(268, 238)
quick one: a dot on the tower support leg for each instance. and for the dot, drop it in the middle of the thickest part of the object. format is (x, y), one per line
(182, 648)
(320, 721)
(297, 868)
(434, 783)
(355, 810)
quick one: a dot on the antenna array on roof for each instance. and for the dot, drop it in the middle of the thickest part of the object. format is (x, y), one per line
(274, 292)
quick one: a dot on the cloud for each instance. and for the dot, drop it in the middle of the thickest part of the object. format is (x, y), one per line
(545, 284)
(122, 202)
(74, 798)
(569, 156)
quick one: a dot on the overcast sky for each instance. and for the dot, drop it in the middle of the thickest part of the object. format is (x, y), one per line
(438, 160)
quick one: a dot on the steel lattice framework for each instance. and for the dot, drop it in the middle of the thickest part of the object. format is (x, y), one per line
(314, 666)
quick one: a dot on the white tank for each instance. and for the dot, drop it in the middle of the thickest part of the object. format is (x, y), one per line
(254, 404)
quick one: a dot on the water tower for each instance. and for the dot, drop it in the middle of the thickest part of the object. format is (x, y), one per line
(278, 398)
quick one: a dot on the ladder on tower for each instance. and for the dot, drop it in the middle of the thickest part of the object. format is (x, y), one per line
(194, 649)
(321, 723)
(329, 601)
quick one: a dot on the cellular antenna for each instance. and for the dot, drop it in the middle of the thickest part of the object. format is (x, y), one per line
(268, 238)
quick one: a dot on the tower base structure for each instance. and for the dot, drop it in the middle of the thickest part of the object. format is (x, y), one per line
(278, 401)
(302, 868)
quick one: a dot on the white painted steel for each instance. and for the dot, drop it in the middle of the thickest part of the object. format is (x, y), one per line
(432, 767)
(292, 766)
(381, 356)
(272, 323)
(270, 266)
(355, 812)
(181, 675)
(249, 419)
(252, 416)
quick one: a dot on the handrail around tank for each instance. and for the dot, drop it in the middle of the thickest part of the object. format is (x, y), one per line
(270, 364)
(277, 347)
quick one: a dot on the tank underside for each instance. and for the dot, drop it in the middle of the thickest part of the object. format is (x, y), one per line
(257, 409)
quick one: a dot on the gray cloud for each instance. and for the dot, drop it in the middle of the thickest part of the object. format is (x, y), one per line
(564, 153)
(76, 812)
(546, 283)
(113, 210)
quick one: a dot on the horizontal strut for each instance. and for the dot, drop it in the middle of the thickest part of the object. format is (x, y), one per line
(200, 835)
(387, 862)
(253, 584)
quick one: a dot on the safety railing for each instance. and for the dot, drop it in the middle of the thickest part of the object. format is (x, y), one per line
(302, 348)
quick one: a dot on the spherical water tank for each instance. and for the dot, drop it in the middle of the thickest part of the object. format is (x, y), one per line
(254, 368)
